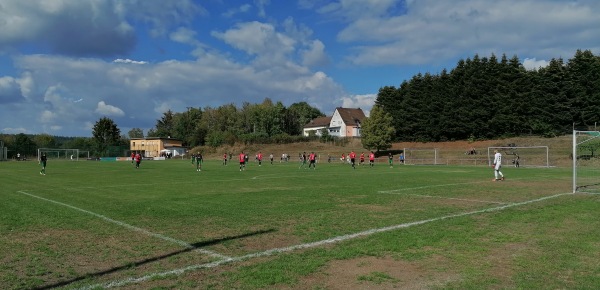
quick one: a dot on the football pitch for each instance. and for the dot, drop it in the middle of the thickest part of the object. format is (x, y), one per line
(96, 225)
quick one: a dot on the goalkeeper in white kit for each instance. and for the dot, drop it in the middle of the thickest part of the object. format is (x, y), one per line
(497, 165)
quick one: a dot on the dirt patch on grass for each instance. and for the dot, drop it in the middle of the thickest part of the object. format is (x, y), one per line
(379, 273)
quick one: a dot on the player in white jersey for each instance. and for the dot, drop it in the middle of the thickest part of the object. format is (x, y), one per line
(497, 165)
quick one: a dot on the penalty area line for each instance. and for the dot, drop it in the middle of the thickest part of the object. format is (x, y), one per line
(454, 198)
(133, 280)
(134, 228)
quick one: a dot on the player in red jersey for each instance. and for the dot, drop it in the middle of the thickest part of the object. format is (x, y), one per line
(352, 156)
(362, 158)
(259, 157)
(312, 159)
(371, 159)
(242, 161)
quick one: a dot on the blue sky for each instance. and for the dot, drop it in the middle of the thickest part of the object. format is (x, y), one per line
(64, 64)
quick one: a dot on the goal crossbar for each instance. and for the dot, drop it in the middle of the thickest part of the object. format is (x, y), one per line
(69, 153)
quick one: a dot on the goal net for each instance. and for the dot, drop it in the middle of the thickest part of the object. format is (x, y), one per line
(586, 162)
(421, 156)
(526, 156)
(55, 153)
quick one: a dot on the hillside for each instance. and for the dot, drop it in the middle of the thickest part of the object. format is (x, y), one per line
(559, 148)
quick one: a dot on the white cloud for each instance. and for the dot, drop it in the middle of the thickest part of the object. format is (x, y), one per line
(47, 117)
(102, 27)
(365, 102)
(237, 10)
(533, 64)
(261, 6)
(119, 60)
(184, 35)
(9, 130)
(315, 55)
(109, 110)
(429, 31)
(9, 90)
(259, 39)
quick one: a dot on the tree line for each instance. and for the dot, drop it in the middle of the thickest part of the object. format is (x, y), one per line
(487, 98)
(265, 122)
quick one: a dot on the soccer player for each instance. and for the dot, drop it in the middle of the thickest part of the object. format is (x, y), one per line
(224, 158)
(242, 161)
(391, 160)
(497, 165)
(352, 156)
(401, 158)
(312, 158)
(271, 158)
(193, 159)
(362, 158)
(259, 157)
(132, 156)
(199, 160)
(138, 159)
(43, 161)
(343, 159)
(302, 160)
(371, 159)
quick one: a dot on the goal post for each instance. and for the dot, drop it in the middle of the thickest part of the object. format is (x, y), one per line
(55, 153)
(525, 156)
(421, 156)
(586, 162)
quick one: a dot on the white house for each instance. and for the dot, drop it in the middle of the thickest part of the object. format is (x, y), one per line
(345, 122)
(317, 125)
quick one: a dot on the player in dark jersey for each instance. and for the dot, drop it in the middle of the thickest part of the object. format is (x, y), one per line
(43, 161)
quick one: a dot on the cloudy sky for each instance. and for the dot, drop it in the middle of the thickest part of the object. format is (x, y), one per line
(64, 64)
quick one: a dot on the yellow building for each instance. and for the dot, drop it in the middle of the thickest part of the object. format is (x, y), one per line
(155, 146)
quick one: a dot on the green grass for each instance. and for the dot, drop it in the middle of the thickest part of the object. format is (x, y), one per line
(74, 227)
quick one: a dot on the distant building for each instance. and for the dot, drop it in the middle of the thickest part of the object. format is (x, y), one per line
(154, 146)
(318, 125)
(345, 122)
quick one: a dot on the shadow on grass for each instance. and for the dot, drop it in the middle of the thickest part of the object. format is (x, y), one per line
(195, 246)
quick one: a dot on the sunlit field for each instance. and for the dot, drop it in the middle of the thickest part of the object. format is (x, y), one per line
(95, 225)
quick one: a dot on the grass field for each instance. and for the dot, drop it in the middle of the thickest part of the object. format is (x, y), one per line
(95, 225)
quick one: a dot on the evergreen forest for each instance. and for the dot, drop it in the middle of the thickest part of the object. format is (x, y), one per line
(488, 98)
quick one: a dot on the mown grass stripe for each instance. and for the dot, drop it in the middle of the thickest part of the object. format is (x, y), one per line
(128, 226)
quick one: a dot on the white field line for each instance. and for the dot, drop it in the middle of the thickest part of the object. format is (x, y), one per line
(333, 240)
(454, 198)
(134, 228)
(429, 186)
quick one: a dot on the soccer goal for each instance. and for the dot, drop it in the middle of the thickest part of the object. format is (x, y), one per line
(526, 156)
(586, 162)
(421, 156)
(54, 153)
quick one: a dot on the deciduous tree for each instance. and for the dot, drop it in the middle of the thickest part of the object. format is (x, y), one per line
(377, 130)
(105, 133)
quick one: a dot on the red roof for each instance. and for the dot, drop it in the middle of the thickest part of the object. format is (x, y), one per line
(350, 116)
(318, 122)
